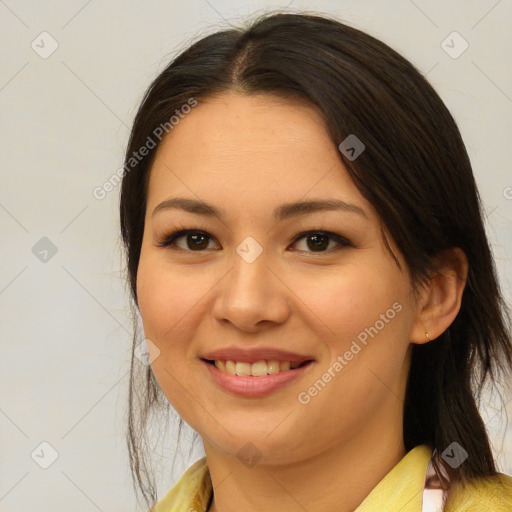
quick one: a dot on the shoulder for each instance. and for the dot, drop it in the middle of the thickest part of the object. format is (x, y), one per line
(486, 493)
(191, 492)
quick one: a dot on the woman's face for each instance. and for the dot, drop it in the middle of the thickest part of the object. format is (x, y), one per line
(248, 282)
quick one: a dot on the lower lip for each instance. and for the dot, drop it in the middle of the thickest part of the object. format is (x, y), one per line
(255, 386)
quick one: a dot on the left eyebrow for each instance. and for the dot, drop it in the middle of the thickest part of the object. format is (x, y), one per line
(283, 212)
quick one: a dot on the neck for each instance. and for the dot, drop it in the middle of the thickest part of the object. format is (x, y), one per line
(337, 480)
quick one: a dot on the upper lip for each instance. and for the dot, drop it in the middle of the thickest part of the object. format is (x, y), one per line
(254, 354)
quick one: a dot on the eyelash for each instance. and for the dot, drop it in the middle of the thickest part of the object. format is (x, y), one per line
(167, 239)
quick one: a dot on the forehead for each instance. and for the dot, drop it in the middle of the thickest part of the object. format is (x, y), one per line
(250, 150)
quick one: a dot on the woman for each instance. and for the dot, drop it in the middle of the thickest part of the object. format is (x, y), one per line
(306, 249)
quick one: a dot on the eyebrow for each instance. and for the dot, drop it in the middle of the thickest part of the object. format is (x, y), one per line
(280, 213)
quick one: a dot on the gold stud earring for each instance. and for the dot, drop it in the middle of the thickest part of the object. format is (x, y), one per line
(427, 335)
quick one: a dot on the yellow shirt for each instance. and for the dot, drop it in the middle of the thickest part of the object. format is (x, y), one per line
(400, 490)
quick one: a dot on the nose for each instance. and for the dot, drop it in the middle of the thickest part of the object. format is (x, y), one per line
(251, 296)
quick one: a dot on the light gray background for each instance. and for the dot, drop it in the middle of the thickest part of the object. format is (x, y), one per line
(65, 331)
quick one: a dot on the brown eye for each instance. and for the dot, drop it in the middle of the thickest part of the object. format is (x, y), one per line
(318, 241)
(195, 241)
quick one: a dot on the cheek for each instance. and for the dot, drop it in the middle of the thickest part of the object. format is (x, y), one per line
(367, 311)
(354, 298)
(169, 305)
(170, 299)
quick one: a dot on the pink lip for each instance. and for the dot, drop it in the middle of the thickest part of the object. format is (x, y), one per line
(255, 386)
(254, 355)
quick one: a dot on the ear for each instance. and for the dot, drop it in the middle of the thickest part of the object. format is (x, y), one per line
(441, 296)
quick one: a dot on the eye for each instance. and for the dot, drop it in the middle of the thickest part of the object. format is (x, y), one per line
(319, 241)
(197, 241)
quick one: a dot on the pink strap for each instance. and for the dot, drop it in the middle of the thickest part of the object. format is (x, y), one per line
(434, 496)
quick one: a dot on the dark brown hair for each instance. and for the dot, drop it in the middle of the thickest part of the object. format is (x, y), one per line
(415, 171)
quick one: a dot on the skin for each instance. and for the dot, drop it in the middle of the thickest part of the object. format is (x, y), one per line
(248, 155)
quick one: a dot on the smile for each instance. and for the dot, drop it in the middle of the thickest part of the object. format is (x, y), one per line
(248, 380)
(256, 369)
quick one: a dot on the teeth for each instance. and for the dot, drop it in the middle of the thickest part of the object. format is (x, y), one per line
(243, 369)
(230, 367)
(258, 369)
(272, 367)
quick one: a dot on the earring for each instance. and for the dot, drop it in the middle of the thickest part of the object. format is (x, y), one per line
(427, 335)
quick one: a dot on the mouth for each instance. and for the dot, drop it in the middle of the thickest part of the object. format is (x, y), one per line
(255, 379)
(259, 368)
